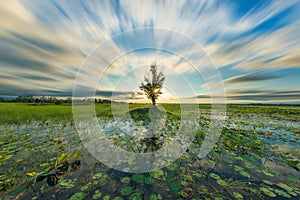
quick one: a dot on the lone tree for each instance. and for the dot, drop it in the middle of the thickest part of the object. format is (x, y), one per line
(152, 87)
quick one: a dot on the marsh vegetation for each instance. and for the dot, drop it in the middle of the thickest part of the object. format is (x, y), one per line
(256, 157)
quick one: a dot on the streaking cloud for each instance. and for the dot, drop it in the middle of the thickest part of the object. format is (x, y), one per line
(254, 44)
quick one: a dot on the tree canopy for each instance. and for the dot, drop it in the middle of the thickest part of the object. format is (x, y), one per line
(153, 85)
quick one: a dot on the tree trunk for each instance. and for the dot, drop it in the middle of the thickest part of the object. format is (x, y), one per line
(153, 101)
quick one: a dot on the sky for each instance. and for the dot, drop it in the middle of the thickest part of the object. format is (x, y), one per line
(248, 51)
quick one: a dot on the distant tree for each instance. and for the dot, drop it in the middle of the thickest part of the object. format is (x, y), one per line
(30, 99)
(68, 100)
(152, 86)
(2, 99)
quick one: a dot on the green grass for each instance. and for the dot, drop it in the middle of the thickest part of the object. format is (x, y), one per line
(16, 113)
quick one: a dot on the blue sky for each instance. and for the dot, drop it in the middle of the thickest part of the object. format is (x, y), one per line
(254, 45)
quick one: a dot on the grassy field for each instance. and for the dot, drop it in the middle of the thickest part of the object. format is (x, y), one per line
(18, 113)
(256, 156)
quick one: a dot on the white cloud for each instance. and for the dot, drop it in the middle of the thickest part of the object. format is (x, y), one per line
(60, 34)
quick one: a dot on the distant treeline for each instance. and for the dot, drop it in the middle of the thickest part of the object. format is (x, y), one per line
(49, 100)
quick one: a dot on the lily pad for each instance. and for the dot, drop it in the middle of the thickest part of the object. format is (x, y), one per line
(41, 176)
(198, 175)
(126, 190)
(157, 173)
(6, 157)
(125, 180)
(149, 180)
(238, 168)
(282, 193)
(78, 196)
(267, 182)
(237, 196)
(221, 182)
(85, 187)
(285, 186)
(100, 176)
(62, 158)
(246, 174)
(267, 173)
(68, 183)
(294, 163)
(268, 191)
(31, 174)
(16, 191)
(135, 196)
(139, 178)
(97, 194)
(155, 197)
(118, 198)
(215, 176)
(174, 186)
(184, 183)
(293, 178)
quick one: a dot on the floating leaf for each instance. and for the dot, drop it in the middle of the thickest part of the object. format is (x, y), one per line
(292, 193)
(6, 157)
(169, 177)
(294, 163)
(246, 174)
(254, 190)
(183, 194)
(78, 196)
(16, 191)
(293, 178)
(41, 176)
(155, 197)
(31, 174)
(249, 165)
(174, 186)
(106, 197)
(125, 180)
(135, 196)
(85, 187)
(118, 198)
(267, 182)
(266, 172)
(101, 176)
(76, 155)
(267, 191)
(215, 176)
(62, 158)
(221, 182)
(95, 182)
(139, 178)
(157, 173)
(282, 193)
(218, 198)
(97, 194)
(68, 183)
(126, 190)
(238, 168)
(149, 180)
(285, 186)
(184, 183)
(198, 175)
(62, 168)
(237, 196)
